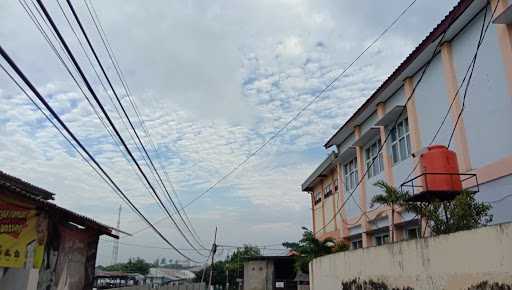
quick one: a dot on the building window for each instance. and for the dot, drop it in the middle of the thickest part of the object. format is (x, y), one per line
(372, 153)
(335, 183)
(400, 141)
(357, 244)
(351, 177)
(412, 233)
(327, 190)
(381, 239)
(318, 197)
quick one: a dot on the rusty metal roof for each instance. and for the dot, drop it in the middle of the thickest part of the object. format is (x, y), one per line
(31, 194)
(24, 186)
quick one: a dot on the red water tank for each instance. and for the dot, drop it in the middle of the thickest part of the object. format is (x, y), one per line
(440, 160)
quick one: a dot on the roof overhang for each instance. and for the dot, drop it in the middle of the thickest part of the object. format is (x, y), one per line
(367, 136)
(453, 22)
(328, 164)
(61, 214)
(391, 116)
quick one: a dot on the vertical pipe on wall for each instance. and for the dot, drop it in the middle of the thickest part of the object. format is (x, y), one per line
(324, 228)
(313, 211)
(388, 173)
(362, 189)
(504, 32)
(414, 132)
(461, 142)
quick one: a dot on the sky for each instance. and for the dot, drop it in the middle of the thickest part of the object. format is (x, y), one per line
(213, 80)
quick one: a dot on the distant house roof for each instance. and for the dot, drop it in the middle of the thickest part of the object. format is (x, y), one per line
(116, 274)
(19, 185)
(172, 274)
(34, 195)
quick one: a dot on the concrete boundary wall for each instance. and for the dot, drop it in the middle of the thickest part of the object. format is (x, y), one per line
(476, 259)
(188, 286)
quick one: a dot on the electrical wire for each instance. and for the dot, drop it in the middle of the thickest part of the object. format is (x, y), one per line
(301, 111)
(102, 108)
(483, 32)
(425, 67)
(91, 47)
(471, 73)
(101, 32)
(48, 107)
(36, 22)
(481, 37)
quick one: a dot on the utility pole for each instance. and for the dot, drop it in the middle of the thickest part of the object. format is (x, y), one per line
(214, 250)
(115, 248)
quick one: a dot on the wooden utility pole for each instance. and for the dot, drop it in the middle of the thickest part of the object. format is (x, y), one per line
(214, 250)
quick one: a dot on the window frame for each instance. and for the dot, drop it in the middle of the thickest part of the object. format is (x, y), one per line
(317, 197)
(327, 189)
(371, 152)
(400, 143)
(350, 175)
(383, 237)
(416, 229)
(356, 244)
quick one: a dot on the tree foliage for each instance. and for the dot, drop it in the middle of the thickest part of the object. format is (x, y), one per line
(310, 247)
(465, 212)
(391, 197)
(134, 265)
(234, 264)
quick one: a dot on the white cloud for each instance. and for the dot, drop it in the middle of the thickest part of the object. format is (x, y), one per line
(213, 81)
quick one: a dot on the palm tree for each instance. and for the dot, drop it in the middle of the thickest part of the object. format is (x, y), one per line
(308, 248)
(391, 197)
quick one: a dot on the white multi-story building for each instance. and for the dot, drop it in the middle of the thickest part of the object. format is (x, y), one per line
(482, 138)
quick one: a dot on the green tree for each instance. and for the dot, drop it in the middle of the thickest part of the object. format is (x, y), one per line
(163, 261)
(234, 264)
(462, 213)
(309, 248)
(391, 197)
(134, 265)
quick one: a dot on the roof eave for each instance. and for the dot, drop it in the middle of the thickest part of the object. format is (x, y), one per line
(440, 28)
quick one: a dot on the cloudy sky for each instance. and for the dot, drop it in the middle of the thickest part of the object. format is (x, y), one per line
(213, 80)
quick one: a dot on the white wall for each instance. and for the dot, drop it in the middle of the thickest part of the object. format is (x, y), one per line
(488, 111)
(455, 261)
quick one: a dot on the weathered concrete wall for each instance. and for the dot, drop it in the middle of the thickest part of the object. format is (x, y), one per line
(477, 259)
(187, 286)
(258, 275)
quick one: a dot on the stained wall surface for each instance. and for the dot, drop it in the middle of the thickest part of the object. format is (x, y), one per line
(476, 258)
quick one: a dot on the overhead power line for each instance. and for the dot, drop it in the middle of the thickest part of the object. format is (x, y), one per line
(301, 111)
(115, 63)
(105, 113)
(454, 99)
(91, 47)
(471, 66)
(40, 28)
(48, 107)
(362, 178)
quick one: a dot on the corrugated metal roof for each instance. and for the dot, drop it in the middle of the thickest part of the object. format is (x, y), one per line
(25, 186)
(23, 190)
